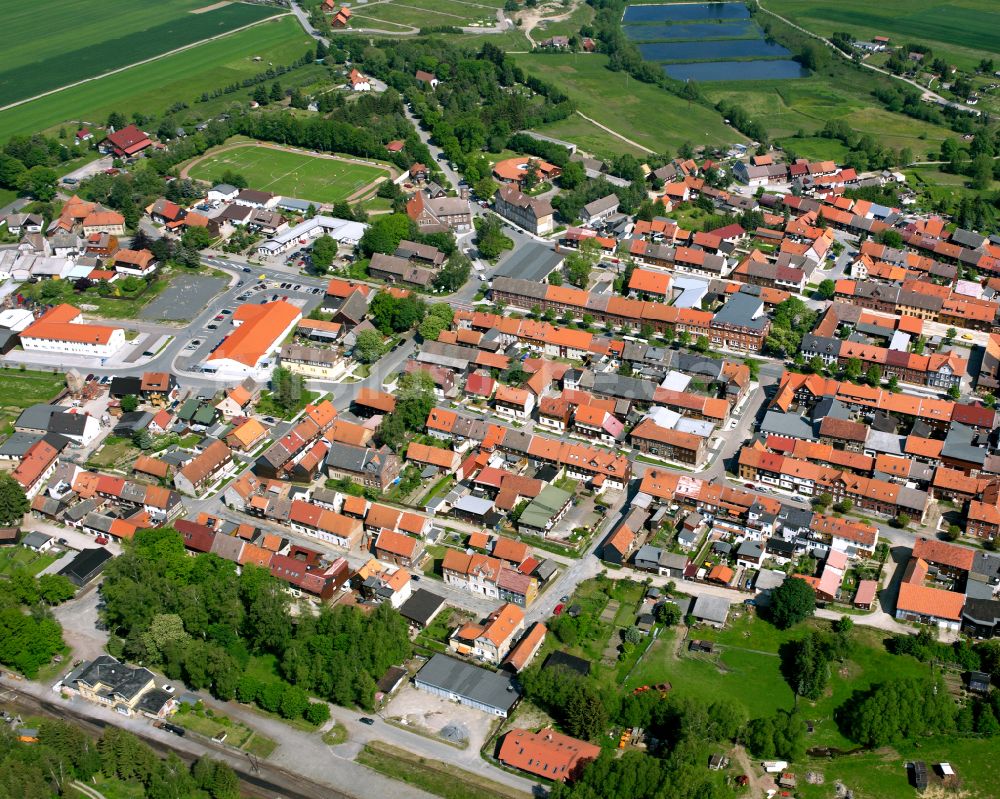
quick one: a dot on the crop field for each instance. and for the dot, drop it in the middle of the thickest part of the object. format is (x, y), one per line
(407, 15)
(298, 175)
(154, 87)
(639, 111)
(35, 63)
(965, 30)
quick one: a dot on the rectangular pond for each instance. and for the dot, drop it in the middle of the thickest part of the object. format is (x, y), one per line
(712, 51)
(666, 33)
(686, 12)
(704, 71)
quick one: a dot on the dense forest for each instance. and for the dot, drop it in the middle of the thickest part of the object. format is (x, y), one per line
(202, 623)
(65, 753)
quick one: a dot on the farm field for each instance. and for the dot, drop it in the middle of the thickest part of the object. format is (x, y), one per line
(786, 107)
(20, 389)
(152, 88)
(641, 112)
(298, 175)
(963, 30)
(425, 13)
(31, 65)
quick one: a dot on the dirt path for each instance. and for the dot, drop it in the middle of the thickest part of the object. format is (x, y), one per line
(531, 18)
(140, 63)
(616, 134)
(755, 789)
(358, 195)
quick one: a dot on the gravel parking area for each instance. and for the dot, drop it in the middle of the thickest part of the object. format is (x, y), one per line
(441, 718)
(185, 298)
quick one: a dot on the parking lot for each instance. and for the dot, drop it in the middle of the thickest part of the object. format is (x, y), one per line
(185, 298)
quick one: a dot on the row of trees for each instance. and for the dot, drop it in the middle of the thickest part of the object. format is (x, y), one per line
(202, 622)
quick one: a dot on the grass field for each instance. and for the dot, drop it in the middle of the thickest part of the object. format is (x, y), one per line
(154, 87)
(20, 389)
(639, 111)
(307, 177)
(750, 657)
(786, 107)
(589, 137)
(409, 14)
(963, 30)
(99, 47)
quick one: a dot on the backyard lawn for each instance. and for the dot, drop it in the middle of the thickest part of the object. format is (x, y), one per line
(19, 389)
(14, 558)
(301, 175)
(639, 111)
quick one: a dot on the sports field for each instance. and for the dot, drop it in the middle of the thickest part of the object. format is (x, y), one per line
(639, 111)
(305, 177)
(962, 30)
(39, 57)
(152, 88)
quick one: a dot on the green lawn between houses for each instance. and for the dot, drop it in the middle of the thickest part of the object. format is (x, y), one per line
(301, 175)
(36, 56)
(746, 668)
(638, 111)
(19, 389)
(154, 87)
(964, 31)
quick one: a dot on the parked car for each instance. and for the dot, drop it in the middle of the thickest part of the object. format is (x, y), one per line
(558, 609)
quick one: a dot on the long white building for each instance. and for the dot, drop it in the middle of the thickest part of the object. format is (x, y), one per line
(62, 330)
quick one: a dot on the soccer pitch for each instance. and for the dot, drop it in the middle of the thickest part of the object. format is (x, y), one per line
(292, 174)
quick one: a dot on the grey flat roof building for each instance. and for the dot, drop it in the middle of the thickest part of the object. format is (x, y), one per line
(713, 609)
(490, 691)
(531, 262)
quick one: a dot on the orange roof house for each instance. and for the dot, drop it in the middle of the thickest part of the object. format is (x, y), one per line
(548, 753)
(513, 170)
(527, 647)
(433, 456)
(259, 331)
(247, 435)
(61, 329)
